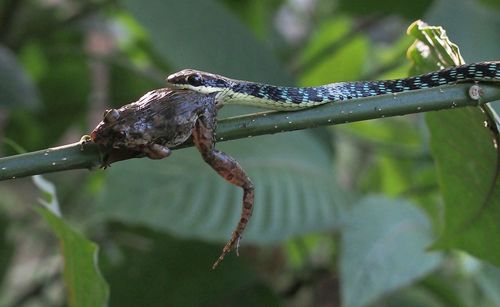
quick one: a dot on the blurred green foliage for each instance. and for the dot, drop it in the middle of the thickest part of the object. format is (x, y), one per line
(160, 224)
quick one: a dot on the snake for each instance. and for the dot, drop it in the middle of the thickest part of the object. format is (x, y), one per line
(283, 98)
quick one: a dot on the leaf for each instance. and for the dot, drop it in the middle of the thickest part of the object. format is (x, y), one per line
(295, 192)
(257, 14)
(467, 164)
(409, 10)
(491, 3)
(323, 64)
(478, 41)
(84, 283)
(65, 100)
(162, 271)
(202, 34)
(383, 248)
(397, 133)
(414, 297)
(432, 48)
(16, 89)
(488, 280)
(400, 164)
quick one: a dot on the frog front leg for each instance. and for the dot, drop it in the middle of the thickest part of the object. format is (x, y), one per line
(156, 151)
(229, 169)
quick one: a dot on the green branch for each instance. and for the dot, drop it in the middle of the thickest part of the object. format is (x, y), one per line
(77, 156)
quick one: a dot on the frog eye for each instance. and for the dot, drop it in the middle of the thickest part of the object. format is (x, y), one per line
(194, 79)
(111, 115)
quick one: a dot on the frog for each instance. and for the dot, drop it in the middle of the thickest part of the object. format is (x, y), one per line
(166, 118)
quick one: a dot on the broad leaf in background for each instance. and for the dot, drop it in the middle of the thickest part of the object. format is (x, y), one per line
(295, 192)
(292, 173)
(16, 89)
(258, 15)
(64, 99)
(464, 31)
(401, 166)
(492, 3)
(488, 280)
(172, 272)
(467, 160)
(467, 164)
(203, 34)
(84, 283)
(383, 249)
(474, 27)
(408, 9)
(344, 60)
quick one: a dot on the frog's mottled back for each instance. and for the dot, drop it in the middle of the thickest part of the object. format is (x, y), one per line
(162, 117)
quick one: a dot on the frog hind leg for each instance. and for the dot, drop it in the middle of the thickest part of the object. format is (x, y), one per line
(229, 169)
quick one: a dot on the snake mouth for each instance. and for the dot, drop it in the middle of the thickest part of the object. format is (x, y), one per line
(175, 86)
(185, 78)
(93, 136)
(97, 134)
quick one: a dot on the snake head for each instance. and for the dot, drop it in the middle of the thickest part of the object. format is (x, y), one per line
(198, 81)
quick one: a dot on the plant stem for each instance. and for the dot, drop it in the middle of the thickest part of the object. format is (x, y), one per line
(67, 157)
(77, 156)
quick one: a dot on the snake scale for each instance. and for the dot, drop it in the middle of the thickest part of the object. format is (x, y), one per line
(230, 91)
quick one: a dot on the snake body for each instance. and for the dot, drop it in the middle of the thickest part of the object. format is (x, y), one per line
(230, 91)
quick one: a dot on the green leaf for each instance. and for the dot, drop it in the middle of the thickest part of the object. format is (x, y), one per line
(478, 41)
(447, 286)
(467, 161)
(202, 34)
(296, 192)
(408, 9)
(413, 297)
(16, 88)
(64, 99)
(397, 133)
(257, 14)
(84, 283)
(162, 271)
(488, 280)
(467, 164)
(345, 62)
(491, 3)
(432, 48)
(383, 248)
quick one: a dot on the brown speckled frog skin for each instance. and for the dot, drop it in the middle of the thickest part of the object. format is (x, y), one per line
(163, 119)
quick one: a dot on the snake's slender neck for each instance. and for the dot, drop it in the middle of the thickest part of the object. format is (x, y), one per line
(292, 98)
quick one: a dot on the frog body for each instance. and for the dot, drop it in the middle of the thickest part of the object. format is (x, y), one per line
(163, 119)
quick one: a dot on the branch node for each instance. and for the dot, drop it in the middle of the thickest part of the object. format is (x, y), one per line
(476, 92)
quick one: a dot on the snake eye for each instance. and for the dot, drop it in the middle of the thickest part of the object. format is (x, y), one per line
(194, 79)
(111, 115)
